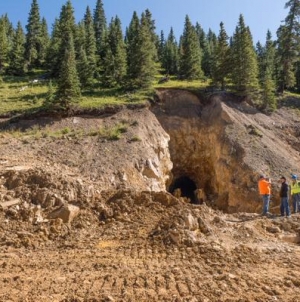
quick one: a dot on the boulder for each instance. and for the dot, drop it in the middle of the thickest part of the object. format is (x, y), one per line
(67, 213)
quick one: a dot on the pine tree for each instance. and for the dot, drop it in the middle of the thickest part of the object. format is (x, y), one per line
(83, 67)
(33, 41)
(44, 43)
(16, 57)
(100, 28)
(260, 52)
(244, 74)
(209, 53)
(114, 62)
(68, 82)
(152, 29)
(62, 29)
(288, 46)
(190, 53)
(132, 33)
(170, 60)
(161, 47)
(4, 44)
(50, 97)
(90, 45)
(221, 59)
(53, 58)
(267, 73)
(147, 53)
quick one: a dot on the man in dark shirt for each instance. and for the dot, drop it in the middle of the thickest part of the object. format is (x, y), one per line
(284, 196)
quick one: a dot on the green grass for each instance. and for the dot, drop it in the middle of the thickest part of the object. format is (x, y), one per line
(20, 95)
(113, 132)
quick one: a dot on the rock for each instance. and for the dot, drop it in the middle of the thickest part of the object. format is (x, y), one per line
(175, 236)
(191, 222)
(67, 213)
(150, 171)
(6, 204)
(273, 229)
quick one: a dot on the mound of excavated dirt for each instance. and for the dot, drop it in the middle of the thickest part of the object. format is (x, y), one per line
(85, 212)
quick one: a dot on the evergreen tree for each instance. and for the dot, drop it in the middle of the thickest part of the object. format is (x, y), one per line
(53, 58)
(152, 29)
(147, 53)
(209, 53)
(90, 45)
(62, 30)
(267, 74)
(68, 82)
(83, 67)
(100, 27)
(260, 52)
(221, 59)
(4, 44)
(288, 46)
(114, 63)
(44, 42)
(161, 47)
(33, 41)
(170, 60)
(50, 97)
(16, 57)
(244, 74)
(190, 53)
(132, 33)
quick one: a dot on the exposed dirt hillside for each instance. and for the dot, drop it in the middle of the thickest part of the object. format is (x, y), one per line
(87, 214)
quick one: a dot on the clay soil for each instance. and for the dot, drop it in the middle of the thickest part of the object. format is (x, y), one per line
(126, 244)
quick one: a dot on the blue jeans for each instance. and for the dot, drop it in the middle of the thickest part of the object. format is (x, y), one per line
(296, 202)
(284, 207)
(266, 202)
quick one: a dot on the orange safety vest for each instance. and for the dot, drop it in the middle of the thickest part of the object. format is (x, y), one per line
(264, 187)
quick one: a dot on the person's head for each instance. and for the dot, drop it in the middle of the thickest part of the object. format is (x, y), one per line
(294, 178)
(262, 177)
(282, 179)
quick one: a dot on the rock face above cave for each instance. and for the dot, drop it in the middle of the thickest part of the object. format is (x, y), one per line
(222, 144)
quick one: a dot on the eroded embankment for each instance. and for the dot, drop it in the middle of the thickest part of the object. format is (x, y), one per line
(220, 144)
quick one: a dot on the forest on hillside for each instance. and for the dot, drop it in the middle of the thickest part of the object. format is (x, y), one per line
(94, 52)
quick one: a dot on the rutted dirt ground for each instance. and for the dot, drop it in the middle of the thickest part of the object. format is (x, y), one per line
(85, 218)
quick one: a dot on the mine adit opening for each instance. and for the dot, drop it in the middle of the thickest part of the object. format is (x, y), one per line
(187, 188)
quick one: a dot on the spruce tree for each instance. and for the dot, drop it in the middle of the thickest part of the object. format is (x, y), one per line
(83, 70)
(90, 45)
(221, 59)
(209, 53)
(44, 43)
(68, 90)
(53, 58)
(190, 53)
(288, 46)
(161, 47)
(100, 27)
(114, 63)
(16, 56)
(62, 29)
(131, 38)
(244, 67)
(267, 73)
(170, 59)
(147, 53)
(4, 44)
(33, 41)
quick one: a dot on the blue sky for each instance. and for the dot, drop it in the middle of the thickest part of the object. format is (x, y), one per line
(259, 15)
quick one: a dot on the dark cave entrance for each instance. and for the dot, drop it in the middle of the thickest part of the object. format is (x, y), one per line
(186, 186)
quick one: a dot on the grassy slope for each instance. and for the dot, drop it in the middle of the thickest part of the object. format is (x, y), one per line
(19, 94)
